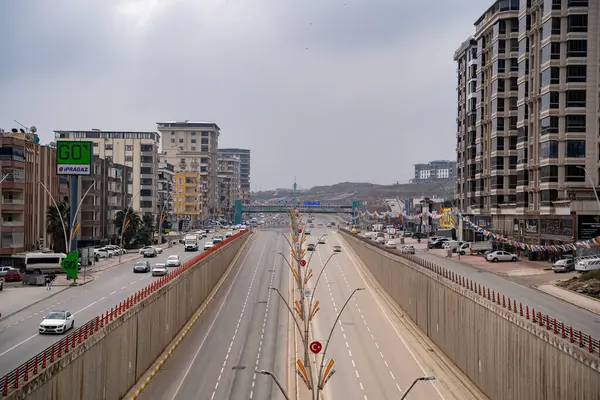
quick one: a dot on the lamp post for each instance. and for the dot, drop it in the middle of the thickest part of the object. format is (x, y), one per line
(62, 222)
(423, 378)
(162, 211)
(125, 219)
(592, 182)
(269, 373)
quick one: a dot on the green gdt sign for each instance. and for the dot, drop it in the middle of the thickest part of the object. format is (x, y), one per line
(74, 158)
(71, 264)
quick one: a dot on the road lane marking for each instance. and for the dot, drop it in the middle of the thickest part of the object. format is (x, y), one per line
(124, 287)
(85, 308)
(102, 298)
(18, 344)
(113, 292)
(216, 317)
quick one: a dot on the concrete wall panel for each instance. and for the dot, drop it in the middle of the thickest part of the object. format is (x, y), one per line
(506, 356)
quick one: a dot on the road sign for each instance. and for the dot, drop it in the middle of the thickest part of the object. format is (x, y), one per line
(71, 264)
(312, 203)
(316, 347)
(74, 158)
(303, 263)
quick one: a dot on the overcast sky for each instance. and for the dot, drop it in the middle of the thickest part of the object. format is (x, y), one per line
(324, 90)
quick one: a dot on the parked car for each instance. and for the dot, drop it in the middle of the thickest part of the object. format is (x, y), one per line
(321, 240)
(159, 270)
(115, 248)
(499, 255)
(310, 247)
(143, 249)
(564, 265)
(57, 322)
(110, 251)
(158, 249)
(150, 252)
(337, 249)
(101, 253)
(141, 266)
(390, 244)
(173, 261)
(13, 275)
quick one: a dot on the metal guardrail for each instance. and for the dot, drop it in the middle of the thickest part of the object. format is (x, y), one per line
(554, 325)
(67, 344)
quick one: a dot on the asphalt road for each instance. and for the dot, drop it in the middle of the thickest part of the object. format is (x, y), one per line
(371, 359)
(19, 338)
(245, 326)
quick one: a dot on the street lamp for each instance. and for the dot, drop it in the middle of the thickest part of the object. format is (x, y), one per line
(125, 219)
(162, 211)
(423, 378)
(269, 373)
(592, 182)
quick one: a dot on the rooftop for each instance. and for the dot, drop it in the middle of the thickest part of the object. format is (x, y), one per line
(187, 124)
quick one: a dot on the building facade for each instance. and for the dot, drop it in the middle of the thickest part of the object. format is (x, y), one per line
(137, 150)
(109, 189)
(228, 184)
(186, 199)
(193, 147)
(166, 187)
(24, 203)
(435, 171)
(537, 121)
(244, 156)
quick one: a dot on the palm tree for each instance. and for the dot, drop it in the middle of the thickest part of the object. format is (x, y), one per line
(54, 225)
(132, 228)
(146, 231)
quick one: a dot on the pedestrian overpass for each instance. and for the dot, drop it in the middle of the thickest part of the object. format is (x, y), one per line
(285, 208)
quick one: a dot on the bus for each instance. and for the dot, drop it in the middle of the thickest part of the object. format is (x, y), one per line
(39, 263)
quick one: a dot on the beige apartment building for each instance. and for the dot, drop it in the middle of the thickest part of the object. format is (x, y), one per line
(193, 147)
(138, 150)
(529, 167)
(244, 156)
(228, 183)
(24, 203)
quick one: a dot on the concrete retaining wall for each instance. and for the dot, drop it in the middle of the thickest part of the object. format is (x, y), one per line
(109, 363)
(505, 355)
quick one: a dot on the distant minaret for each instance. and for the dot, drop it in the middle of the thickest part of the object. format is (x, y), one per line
(295, 187)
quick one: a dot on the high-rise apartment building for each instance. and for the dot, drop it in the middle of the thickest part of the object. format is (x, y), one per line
(536, 137)
(435, 171)
(25, 165)
(193, 147)
(166, 182)
(244, 156)
(186, 198)
(228, 183)
(138, 150)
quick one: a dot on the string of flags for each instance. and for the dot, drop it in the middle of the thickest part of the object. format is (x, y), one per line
(453, 218)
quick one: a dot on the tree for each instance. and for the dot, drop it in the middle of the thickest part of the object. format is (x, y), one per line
(54, 226)
(132, 228)
(146, 231)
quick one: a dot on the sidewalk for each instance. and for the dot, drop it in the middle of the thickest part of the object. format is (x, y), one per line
(585, 302)
(16, 299)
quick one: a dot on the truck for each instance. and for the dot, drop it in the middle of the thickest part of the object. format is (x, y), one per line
(192, 242)
(475, 247)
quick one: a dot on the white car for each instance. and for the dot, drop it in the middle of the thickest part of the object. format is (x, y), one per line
(173, 261)
(408, 249)
(159, 270)
(115, 248)
(380, 240)
(57, 322)
(208, 245)
(390, 244)
(111, 252)
(496, 256)
(159, 250)
(228, 234)
(143, 249)
(101, 253)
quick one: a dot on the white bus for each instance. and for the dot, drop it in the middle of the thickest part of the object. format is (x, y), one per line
(39, 263)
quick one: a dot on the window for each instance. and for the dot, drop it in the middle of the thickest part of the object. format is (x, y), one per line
(577, 48)
(524, 68)
(522, 156)
(556, 4)
(146, 181)
(499, 67)
(550, 76)
(146, 147)
(147, 159)
(193, 133)
(146, 170)
(549, 173)
(498, 162)
(522, 112)
(523, 46)
(551, 51)
(512, 123)
(575, 123)
(523, 177)
(498, 86)
(128, 158)
(497, 182)
(523, 90)
(578, 3)
(514, 65)
(574, 173)
(575, 149)
(145, 204)
(576, 73)
(551, 27)
(180, 140)
(12, 153)
(548, 196)
(146, 193)
(575, 98)
(549, 100)
(497, 124)
(205, 134)
(204, 141)
(498, 143)
(108, 147)
(502, 26)
(521, 135)
(549, 149)
(514, 85)
(514, 45)
(577, 23)
(548, 125)
(500, 104)
(193, 140)
(172, 141)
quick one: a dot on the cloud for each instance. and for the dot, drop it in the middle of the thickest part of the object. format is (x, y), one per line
(325, 91)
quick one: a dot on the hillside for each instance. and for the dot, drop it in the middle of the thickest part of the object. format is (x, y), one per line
(345, 192)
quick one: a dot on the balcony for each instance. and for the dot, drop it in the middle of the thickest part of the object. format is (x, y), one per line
(12, 242)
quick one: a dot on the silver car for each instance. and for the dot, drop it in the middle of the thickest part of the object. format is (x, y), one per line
(159, 270)
(141, 266)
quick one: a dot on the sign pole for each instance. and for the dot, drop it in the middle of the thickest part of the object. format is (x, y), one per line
(73, 197)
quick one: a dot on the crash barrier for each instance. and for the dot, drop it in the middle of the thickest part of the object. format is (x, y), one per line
(507, 348)
(106, 356)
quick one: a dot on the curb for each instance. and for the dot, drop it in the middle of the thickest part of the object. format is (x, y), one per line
(537, 289)
(34, 303)
(190, 324)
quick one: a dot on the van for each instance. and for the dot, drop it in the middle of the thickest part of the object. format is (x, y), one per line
(40, 263)
(587, 264)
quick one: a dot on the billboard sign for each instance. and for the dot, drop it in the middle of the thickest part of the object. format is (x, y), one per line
(74, 158)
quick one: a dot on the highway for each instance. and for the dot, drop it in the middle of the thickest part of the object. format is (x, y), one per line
(372, 360)
(245, 326)
(19, 338)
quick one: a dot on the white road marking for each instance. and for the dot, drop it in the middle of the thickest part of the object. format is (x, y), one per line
(102, 298)
(85, 308)
(113, 292)
(18, 344)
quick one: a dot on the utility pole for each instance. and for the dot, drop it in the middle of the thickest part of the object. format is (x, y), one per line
(295, 188)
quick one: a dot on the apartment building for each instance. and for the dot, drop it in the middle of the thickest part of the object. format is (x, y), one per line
(244, 156)
(186, 198)
(228, 183)
(109, 189)
(193, 147)
(166, 187)
(25, 166)
(137, 150)
(435, 171)
(537, 121)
